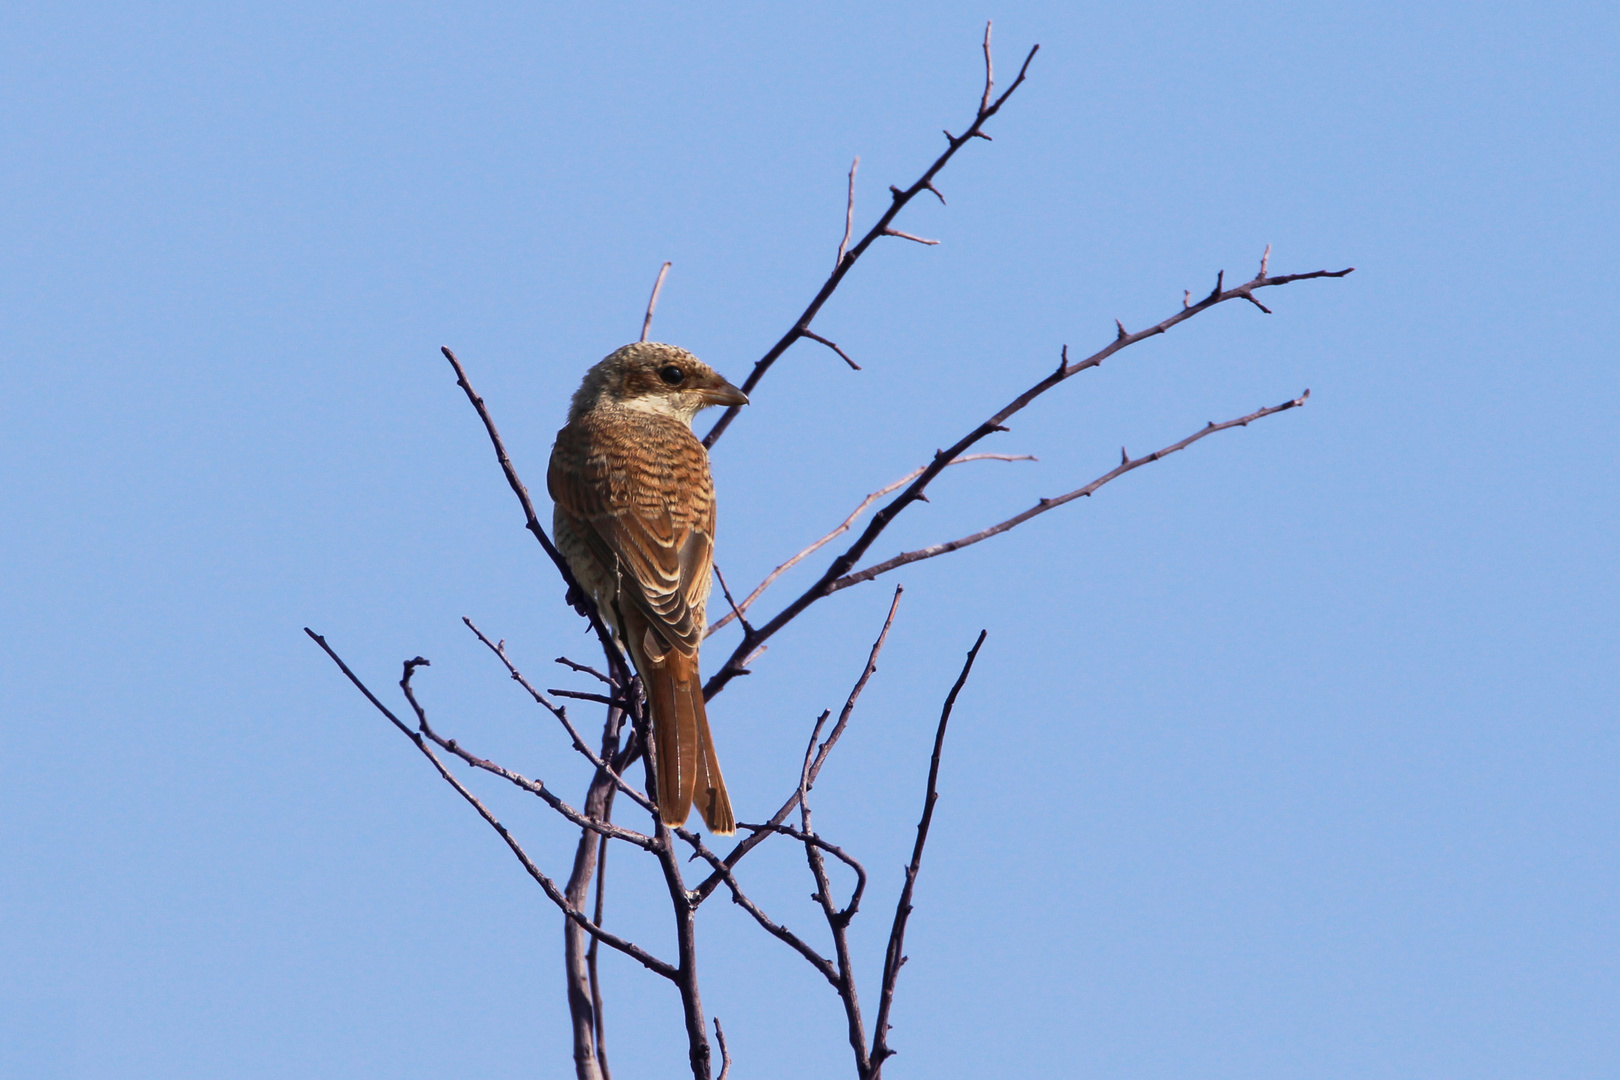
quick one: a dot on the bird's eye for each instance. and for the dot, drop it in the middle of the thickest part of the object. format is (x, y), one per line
(672, 375)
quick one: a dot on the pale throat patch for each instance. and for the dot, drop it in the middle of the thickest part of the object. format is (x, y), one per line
(680, 407)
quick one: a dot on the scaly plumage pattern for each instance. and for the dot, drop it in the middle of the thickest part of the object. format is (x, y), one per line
(635, 519)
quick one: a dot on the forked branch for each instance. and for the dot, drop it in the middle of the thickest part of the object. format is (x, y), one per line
(1125, 465)
(916, 490)
(847, 258)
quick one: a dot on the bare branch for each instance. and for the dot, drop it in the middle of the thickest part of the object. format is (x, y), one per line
(725, 1055)
(584, 669)
(848, 258)
(895, 957)
(549, 887)
(849, 213)
(580, 745)
(652, 301)
(989, 71)
(1127, 463)
(847, 993)
(813, 336)
(726, 589)
(908, 236)
(752, 841)
(723, 873)
(916, 491)
(576, 595)
(844, 527)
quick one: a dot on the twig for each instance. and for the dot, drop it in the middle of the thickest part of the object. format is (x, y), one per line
(895, 956)
(652, 301)
(577, 595)
(736, 611)
(725, 1055)
(844, 527)
(849, 213)
(635, 952)
(813, 336)
(916, 491)
(584, 669)
(579, 743)
(753, 840)
(847, 993)
(590, 961)
(1126, 464)
(848, 258)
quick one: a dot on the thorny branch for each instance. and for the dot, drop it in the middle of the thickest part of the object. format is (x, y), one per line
(549, 887)
(738, 610)
(760, 832)
(895, 957)
(1126, 464)
(623, 697)
(915, 491)
(847, 258)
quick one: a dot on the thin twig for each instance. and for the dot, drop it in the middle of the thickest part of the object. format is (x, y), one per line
(630, 949)
(847, 993)
(736, 611)
(895, 957)
(847, 522)
(849, 213)
(725, 1055)
(652, 301)
(579, 743)
(754, 839)
(916, 490)
(584, 669)
(576, 595)
(1126, 464)
(847, 259)
(833, 345)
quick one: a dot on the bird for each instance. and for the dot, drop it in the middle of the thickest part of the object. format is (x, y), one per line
(634, 518)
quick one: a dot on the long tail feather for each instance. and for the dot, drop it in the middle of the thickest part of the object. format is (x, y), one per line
(710, 791)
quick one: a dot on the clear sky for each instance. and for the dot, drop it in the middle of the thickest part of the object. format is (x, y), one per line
(1292, 755)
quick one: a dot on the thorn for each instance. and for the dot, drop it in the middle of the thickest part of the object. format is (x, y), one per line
(1063, 360)
(1122, 333)
(999, 427)
(1264, 259)
(1124, 458)
(1186, 299)
(924, 498)
(949, 136)
(1220, 278)
(929, 184)
(982, 135)
(897, 192)
(1256, 303)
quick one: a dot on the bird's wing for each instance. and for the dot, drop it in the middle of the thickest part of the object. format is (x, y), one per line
(648, 511)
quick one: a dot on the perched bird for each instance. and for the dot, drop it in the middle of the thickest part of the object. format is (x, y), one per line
(635, 520)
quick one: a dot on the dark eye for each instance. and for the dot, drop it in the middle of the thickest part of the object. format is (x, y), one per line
(672, 375)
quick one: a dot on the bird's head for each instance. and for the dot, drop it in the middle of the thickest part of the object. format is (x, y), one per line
(656, 378)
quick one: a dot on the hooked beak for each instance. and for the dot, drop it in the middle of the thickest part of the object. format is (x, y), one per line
(724, 394)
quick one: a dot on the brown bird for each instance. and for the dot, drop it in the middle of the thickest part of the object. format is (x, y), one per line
(635, 520)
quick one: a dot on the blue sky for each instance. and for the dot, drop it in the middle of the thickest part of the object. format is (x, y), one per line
(1293, 754)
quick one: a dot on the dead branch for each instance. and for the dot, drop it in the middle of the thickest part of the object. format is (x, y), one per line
(601, 763)
(847, 259)
(1126, 465)
(917, 489)
(738, 609)
(652, 301)
(895, 957)
(755, 838)
(576, 596)
(549, 887)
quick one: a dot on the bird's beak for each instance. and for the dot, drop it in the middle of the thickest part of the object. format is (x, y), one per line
(724, 394)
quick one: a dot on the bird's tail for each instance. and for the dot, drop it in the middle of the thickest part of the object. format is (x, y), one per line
(688, 768)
